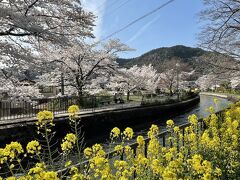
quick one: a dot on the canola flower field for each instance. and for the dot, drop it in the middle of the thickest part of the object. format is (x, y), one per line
(209, 153)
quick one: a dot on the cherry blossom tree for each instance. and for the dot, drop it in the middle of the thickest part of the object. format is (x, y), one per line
(172, 72)
(15, 90)
(137, 78)
(208, 81)
(14, 62)
(82, 63)
(98, 85)
(221, 30)
(235, 81)
(26, 26)
(52, 21)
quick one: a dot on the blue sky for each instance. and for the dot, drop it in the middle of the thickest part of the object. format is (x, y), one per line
(175, 24)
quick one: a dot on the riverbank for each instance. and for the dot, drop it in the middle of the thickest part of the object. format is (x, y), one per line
(230, 97)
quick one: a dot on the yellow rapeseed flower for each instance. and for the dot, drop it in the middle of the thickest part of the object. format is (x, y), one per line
(211, 110)
(216, 101)
(87, 152)
(3, 157)
(74, 170)
(68, 142)
(78, 176)
(33, 147)
(153, 131)
(68, 163)
(128, 151)
(11, 178)
(38, 171)
(120, 165)
(193, 119)
(170, 123)
(176, 129)
(118, 149)
(44, 118)
(50, 175)
(73, 110)
(140, 141)
(115, 133)
(95, 151)
(128, 133)
(12, 150)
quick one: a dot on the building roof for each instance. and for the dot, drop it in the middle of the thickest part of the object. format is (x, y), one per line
(26, 82)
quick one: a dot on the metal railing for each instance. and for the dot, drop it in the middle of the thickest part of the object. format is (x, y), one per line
(20, 109)
(162, 137)
(17, 109)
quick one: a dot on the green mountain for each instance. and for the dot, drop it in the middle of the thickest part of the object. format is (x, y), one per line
(157, 56)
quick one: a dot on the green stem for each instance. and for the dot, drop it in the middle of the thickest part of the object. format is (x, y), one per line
(23, 170)
(110, 147)
(39, 158)
(48, 145)
(10, 169)
(76, 134)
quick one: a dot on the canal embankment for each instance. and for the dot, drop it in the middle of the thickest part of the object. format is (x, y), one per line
(95, 124)
(230, 97)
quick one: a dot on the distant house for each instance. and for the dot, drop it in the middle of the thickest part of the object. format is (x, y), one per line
(237, 87)
(214, 87)
(46, 91)
(3, 94)
(26, 82)
(49, 91)
(188, 85)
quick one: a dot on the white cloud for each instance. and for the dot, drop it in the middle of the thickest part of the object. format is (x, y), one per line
(143, 29)
(98, 9)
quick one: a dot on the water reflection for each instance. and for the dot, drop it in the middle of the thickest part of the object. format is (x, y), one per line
(200, 110)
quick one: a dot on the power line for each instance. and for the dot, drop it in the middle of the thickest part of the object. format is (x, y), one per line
(113, 2)
(138, 19)
(100, 6)
(114, 10)
(108, 5)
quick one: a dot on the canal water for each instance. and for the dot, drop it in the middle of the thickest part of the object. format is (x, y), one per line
(200, 110)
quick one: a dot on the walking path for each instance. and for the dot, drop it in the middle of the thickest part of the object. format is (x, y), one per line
(22, 120)
(30, 118)
(83, 113)
(232, 97)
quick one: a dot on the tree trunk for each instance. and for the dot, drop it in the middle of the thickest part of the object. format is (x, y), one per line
(80, 99)
(170, 90)
(128, 95)
(80, 92)
(79, 86)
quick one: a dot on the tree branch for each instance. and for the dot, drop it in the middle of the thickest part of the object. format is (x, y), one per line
(30, 6)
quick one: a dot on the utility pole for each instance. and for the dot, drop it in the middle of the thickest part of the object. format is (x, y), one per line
(177, 65)
(62, 84)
